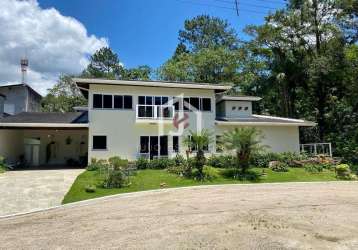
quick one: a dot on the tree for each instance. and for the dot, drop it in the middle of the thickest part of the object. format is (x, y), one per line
(141, 73)
(63, 96)
(199, 141)
(104, 63)
(207, 52)
(207, 65)
(204, 32)
(245, 142)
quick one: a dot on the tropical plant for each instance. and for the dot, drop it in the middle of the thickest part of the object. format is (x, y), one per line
(199, 142)
(245, 142)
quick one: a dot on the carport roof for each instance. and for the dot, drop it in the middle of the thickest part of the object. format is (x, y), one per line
(46, 119)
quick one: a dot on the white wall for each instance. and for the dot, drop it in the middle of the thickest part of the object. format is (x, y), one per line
(11, 144)
(120, 126)
(278, 138)
(232, 109)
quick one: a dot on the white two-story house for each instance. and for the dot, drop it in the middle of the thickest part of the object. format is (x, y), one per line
(134, 119)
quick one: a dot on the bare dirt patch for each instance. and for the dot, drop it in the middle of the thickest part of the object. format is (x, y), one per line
(263, 216)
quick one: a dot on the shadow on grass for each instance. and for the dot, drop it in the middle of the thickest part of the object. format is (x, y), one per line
(250, 175)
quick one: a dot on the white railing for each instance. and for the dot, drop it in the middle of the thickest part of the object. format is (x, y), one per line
(317, 148)
(156, 112)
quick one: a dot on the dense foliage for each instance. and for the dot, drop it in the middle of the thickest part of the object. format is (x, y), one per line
(303, 61)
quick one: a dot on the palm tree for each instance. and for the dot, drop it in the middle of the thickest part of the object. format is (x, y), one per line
(245, 142)
(199, 142)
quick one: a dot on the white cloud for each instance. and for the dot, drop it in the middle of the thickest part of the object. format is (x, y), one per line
(53, 43)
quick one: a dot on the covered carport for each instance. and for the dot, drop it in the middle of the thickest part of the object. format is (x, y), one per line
(44, 139)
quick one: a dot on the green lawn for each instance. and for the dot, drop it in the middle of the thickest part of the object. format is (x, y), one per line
(151, 179)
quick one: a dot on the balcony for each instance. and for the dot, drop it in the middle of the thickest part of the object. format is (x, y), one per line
(154, 113)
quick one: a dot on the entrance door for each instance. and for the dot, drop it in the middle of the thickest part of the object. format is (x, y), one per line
(154, 147)
(32, 152)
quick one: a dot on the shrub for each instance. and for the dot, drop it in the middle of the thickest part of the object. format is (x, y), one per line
(115, 179)
(90, 188)
(279, 166)
(210, 173)
(96, 165)
(3, 166)
(343, 172)
(314, 168)
(117, 163)
(263, 160)
(221, 161)
(179, 160)
(235, 174)
(161, 163)
(142, 163)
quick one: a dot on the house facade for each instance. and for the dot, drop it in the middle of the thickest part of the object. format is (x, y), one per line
(133, 119)
(150, 119)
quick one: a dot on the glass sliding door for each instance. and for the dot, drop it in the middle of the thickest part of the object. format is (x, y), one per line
(153, 146)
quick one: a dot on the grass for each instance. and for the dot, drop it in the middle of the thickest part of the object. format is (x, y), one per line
(151, 179)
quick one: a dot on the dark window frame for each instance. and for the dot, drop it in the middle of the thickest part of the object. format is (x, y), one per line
(95, 147)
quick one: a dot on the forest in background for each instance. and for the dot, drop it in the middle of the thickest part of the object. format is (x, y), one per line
(303, 62)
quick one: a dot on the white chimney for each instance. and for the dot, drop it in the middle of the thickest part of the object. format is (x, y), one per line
(24, 65)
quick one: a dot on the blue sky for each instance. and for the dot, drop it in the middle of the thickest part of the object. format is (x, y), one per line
(146, 31)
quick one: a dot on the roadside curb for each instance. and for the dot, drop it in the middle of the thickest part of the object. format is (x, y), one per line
(154, 191)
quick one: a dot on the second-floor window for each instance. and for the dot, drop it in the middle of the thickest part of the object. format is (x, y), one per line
(101, 101)
(197, 103)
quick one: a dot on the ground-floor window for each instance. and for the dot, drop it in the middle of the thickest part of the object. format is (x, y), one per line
(176, 144)
(154, 146)
(99, 142)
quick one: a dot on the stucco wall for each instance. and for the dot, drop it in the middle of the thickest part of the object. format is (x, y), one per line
(11, 144)
(232, 109)
(278, 138)
(120, 126)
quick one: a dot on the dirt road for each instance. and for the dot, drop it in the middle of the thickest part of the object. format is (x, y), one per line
(261, 216)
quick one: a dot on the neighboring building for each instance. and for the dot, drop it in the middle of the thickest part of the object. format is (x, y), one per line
(134, 119)
(2, 102)
(20, 98)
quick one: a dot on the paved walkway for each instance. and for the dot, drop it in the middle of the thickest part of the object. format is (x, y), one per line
(259, 216)
(28, 190)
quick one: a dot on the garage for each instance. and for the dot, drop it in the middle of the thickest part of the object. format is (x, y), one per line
(44, 139)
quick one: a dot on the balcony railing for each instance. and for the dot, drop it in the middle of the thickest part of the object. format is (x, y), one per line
(317, 148)
(154, 112)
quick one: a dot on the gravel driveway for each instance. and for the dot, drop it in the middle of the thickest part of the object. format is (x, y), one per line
(261, 216)
(28, 190)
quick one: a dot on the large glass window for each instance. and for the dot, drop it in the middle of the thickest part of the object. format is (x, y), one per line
(194, 102)
(107, 101)
(112, 101)
(176, 144)
(97, 101)
(99, 142)
(118, 102)
(206, 104)
(127, 102)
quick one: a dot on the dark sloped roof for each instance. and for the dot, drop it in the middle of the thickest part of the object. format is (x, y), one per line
(256, 119)
(265, 119)
(47, 117)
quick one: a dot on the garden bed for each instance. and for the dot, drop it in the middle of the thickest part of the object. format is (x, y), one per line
(149, 179)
